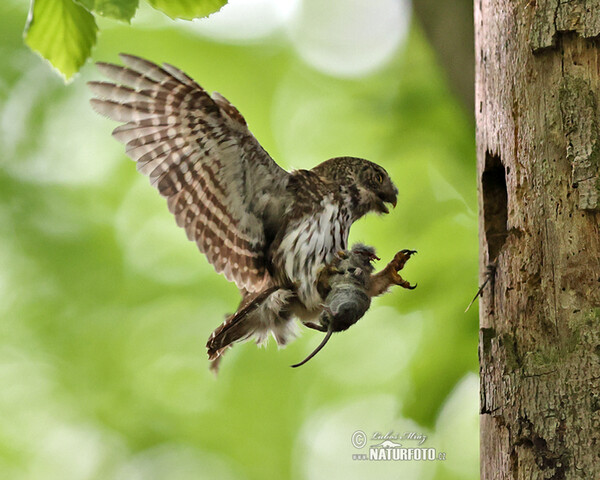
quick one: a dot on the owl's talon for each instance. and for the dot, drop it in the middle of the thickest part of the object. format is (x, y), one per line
(398, 280)
(401, 258)
(396, 265)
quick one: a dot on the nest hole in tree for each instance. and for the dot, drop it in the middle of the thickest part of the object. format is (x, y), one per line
(495, 199)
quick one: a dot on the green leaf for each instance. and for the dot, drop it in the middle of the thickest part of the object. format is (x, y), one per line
(62, 32)
(118, 9)
(187, 9)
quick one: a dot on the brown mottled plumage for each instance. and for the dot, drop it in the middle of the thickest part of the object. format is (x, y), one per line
(266, 229)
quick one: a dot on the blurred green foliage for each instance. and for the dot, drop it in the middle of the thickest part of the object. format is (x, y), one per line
(64, 31)
(106, 306)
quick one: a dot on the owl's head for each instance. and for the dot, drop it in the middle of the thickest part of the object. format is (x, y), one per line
(370, 185)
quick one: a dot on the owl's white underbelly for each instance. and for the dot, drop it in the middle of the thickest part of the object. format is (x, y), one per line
(308, 246)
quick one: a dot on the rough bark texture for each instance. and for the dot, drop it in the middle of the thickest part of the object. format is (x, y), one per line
(538, 146)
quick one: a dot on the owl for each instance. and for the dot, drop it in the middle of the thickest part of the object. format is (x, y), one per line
(268, 230)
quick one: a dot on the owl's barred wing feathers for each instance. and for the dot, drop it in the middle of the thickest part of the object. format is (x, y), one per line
(198, 152)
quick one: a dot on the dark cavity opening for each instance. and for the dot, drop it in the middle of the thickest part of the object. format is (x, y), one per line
(495, 198)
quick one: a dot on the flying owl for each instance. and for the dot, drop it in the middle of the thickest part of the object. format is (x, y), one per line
(268, 230)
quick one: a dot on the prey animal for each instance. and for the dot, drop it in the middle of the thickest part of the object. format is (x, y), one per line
(268, 230)
(347, 285)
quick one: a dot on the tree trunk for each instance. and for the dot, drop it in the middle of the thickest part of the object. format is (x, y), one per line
(537, 98)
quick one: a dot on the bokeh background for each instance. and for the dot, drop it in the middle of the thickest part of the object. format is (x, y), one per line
(105, 307)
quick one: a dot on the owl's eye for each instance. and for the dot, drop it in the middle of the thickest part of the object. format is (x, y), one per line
(379, 178)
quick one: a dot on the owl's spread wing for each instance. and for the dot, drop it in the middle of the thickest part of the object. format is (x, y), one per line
(198, 152)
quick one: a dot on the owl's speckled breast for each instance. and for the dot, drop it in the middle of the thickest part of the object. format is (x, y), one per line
(308, 245)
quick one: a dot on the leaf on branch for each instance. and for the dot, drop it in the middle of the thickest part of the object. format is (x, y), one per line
(187, 9)
(61, 31)
(117, 9)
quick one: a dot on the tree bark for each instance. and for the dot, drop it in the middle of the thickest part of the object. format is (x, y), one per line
(537, 113)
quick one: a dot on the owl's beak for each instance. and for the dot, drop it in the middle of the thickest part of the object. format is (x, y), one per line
(390, 196)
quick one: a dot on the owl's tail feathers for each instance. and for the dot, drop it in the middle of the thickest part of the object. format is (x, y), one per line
(266, 312)
(237, 327)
